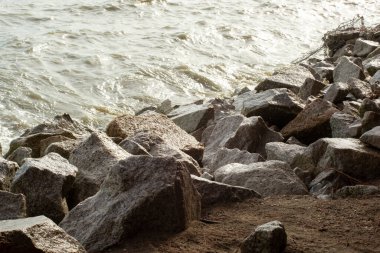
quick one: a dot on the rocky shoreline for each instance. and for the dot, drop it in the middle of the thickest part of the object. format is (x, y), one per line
(309, 129)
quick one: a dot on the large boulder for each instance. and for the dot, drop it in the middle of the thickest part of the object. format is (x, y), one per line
(268, 238)
(291, 77)
(360, 89)
(346, 69)
(191, 117)
(372, 137)
(140, 193)
(267, 178)
(276, 106)
(226, 156)
(62, 125)
(45, 182)
(364, 47)
(156, 146)
(312, 122)
(340, 125)
(349, 156)
(36, 234)
(215, 192)
(94, 157)
(311, 87)
(239, 132)
(283, 152)
(128, 125)
(13, 206)
(336, 92)
(7, 172)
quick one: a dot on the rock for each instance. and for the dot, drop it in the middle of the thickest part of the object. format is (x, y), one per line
(291, 77)
(133, 147)
(310, 87)
(207, 176)
(156, 146)
(13, 206)
(369, 105)
(215, 192)
(140, 193)
(351, 108)
(324, 70)
(305, 175)
(372, 65)
(53, 139)
(346, 50)
(338, 39)
(336, 92)
(45, 182)
(348, 155)
(239, 132)
(165, 107)
(7, 172)
(192, 117)
(293, 140)
(94, 157)
(20, 154)
(360, 89)
(241, 99)
(36, 234)
(375, 83)
(269, 238)
(312, 122)
(61, 126)
(127, 125)
(226, 156)
(346, 69)
(355, 129)
(357, 191)
(324, 184)
(364, 47)
(340, 124)
(276, 106)
(372, 137)
(374, 53)
(370, 120)
(64, 148)
(267, 178)
(283, 152)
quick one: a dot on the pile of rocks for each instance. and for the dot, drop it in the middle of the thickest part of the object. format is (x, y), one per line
(310, 129)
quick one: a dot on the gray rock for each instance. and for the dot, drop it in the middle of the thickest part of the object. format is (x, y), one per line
(351, 108)
(20, 154)
(226, 156)
(283, 152)
(61, 126)
(291, 77)
(360, 89)
(267, 178)
(340, 124)
(312, 123)
(237, 131)
(276, 106)
(370, 120)
(357, 191)
(45, 182)
(346, 50)
(207, 176)
(156, 146)
(36, 234)
(346, 69)
(94, 157)
(369, 105)
(268, 238)
(336, 92)
(325, 183)
(305, 175)
(50, 140)
(372, 65)
(140, 193)
(325, 70)
(364, 47)
(64, 148)
(311, 87)
(215, 192)
(338, 39)
(13, 206)
(133, 147)
(154, 123)
(348, 155)
(374, 53)
(293, 140)
(7, 172)
(355, 129)
(375, 83)
(372, 137)
(165, 107)
(192, 117)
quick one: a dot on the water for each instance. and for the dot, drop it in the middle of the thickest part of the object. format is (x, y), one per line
(95, 59)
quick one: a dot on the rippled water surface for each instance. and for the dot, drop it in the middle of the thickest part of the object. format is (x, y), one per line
(96, 59)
